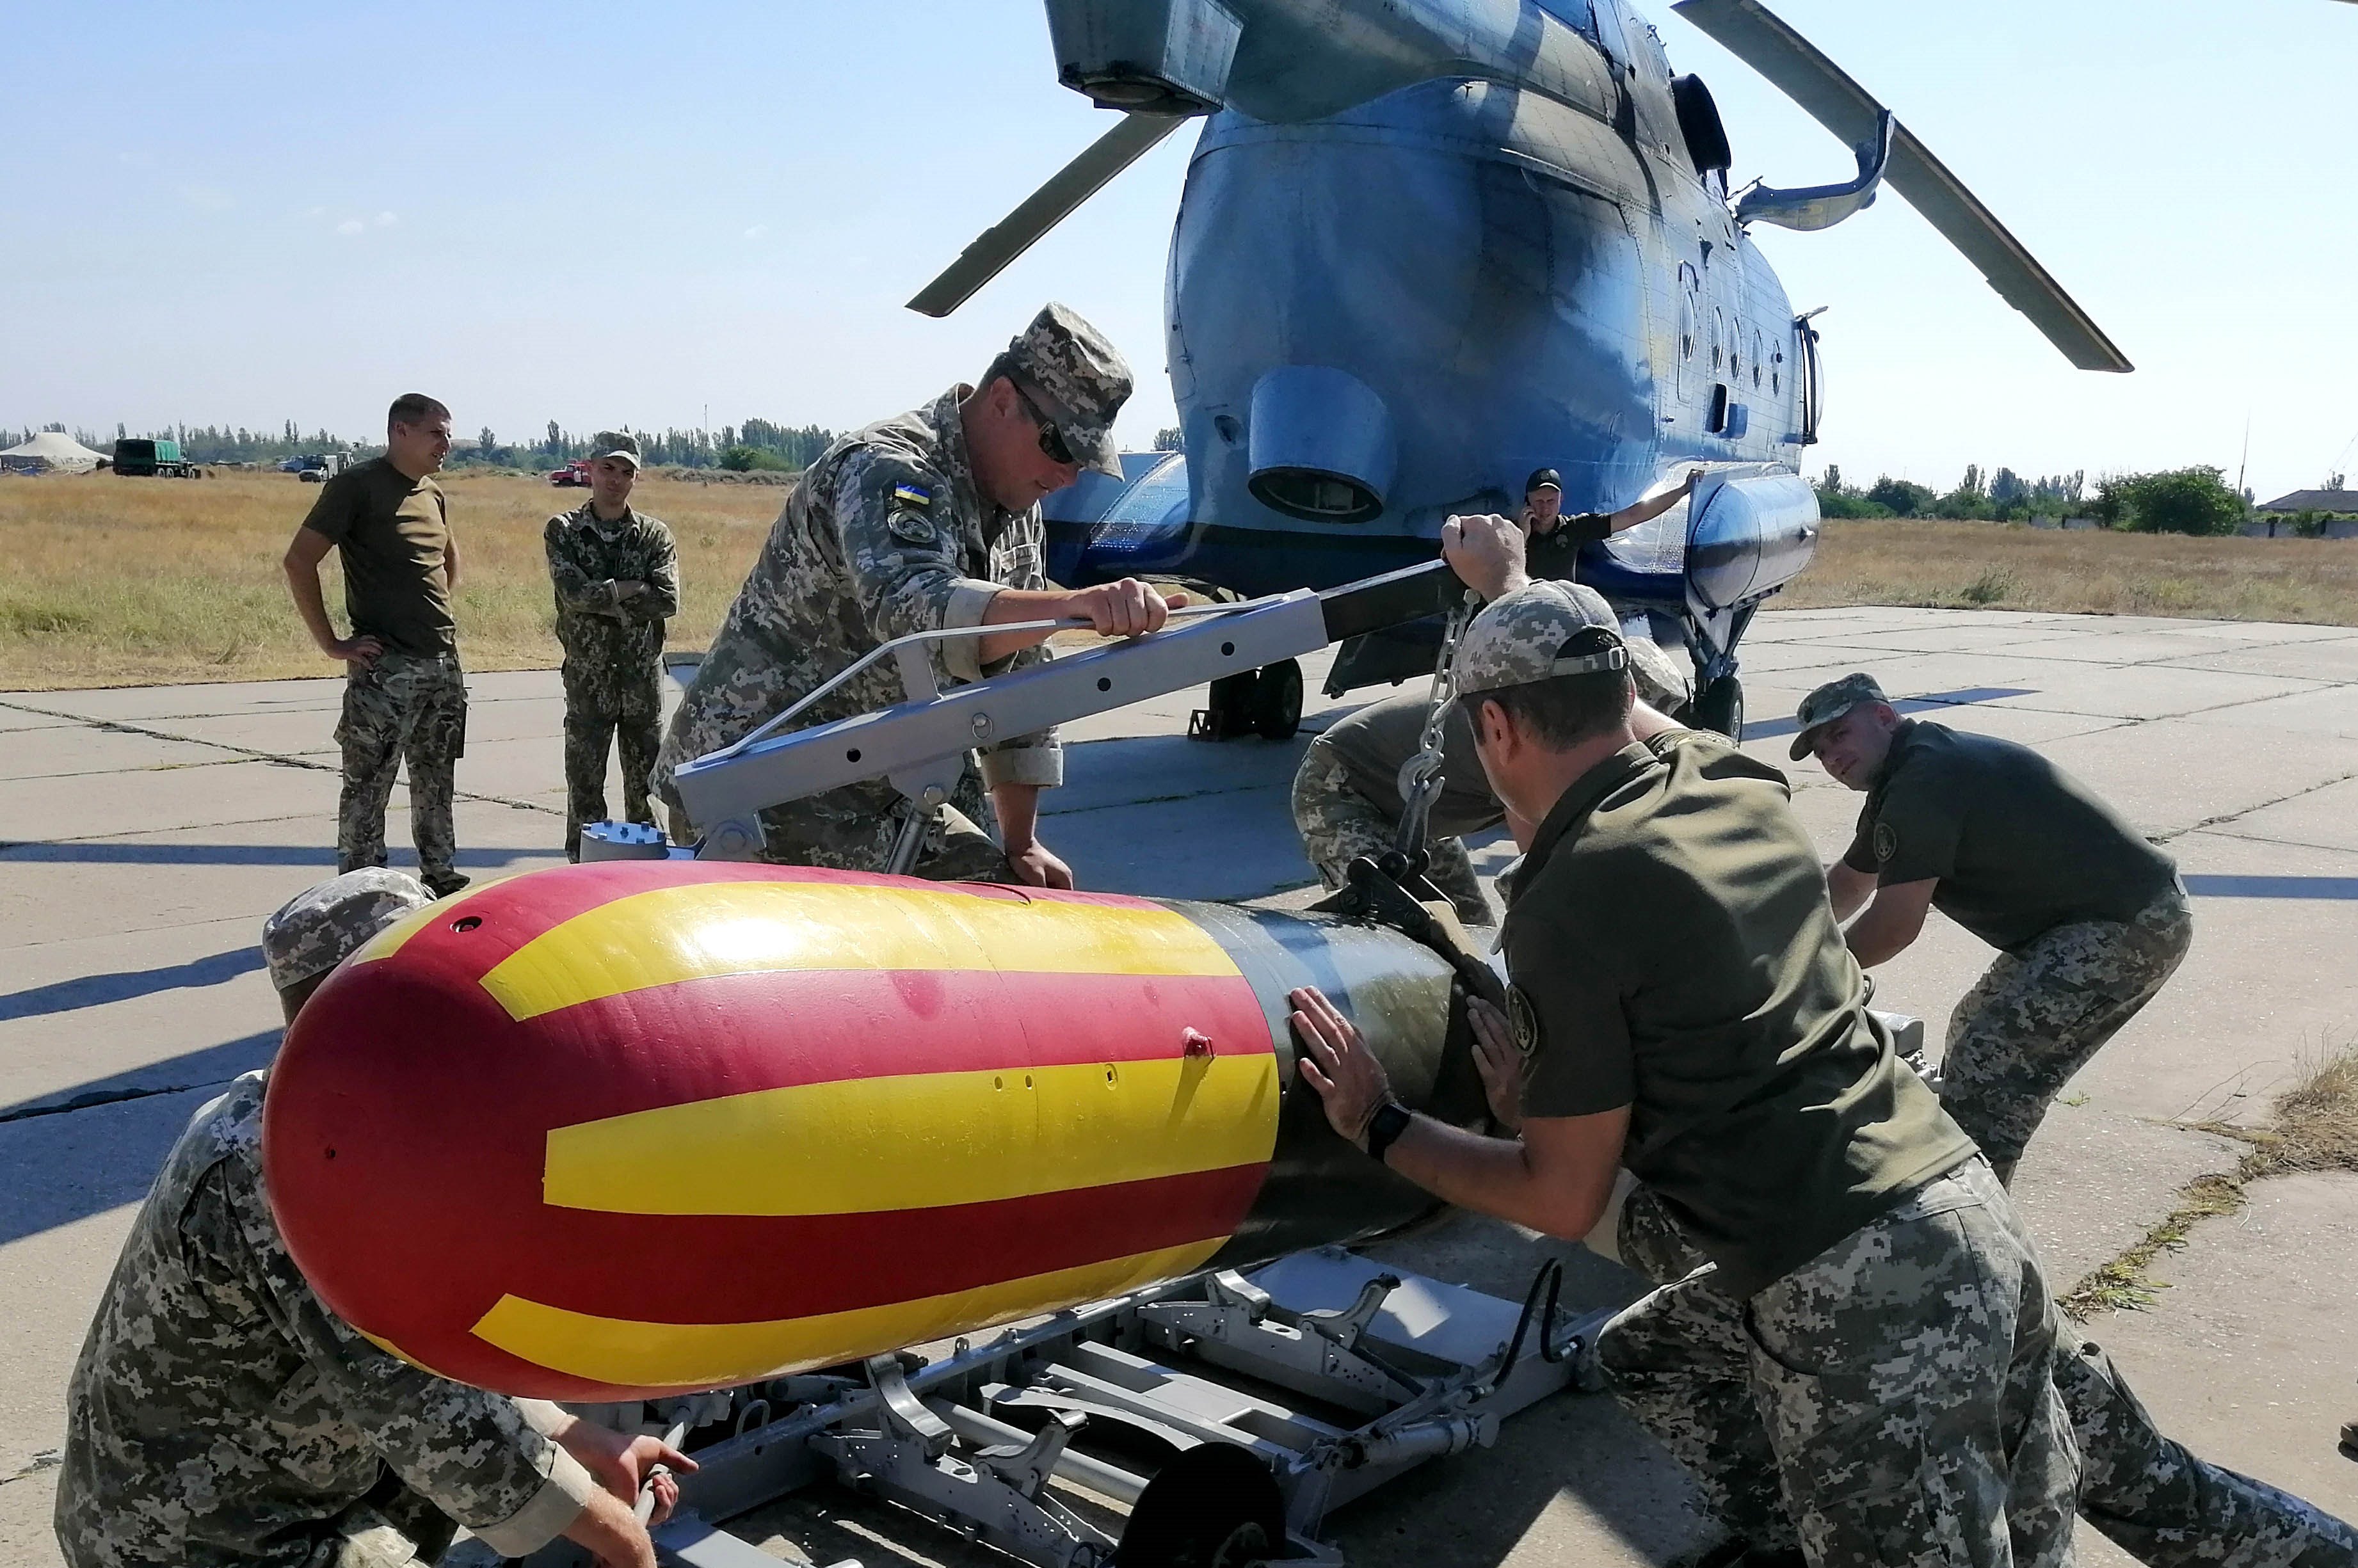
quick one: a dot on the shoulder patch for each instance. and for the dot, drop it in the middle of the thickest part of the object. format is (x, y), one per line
(1887, 841)
(1524, 1019)
(913, 495)
(911, 528)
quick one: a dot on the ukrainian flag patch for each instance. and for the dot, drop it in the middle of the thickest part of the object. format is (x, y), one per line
(915, 495)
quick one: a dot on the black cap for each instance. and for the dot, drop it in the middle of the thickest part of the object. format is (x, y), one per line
(1541, 477)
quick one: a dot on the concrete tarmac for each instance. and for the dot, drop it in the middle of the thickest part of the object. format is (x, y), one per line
(144, 833)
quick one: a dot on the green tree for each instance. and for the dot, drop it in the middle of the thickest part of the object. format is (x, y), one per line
(751, 459)
(2196, 500)
(1166, 439)
(1900, 498)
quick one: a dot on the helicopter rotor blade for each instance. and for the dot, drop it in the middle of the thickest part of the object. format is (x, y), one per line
(1748, 30)
(996, 247)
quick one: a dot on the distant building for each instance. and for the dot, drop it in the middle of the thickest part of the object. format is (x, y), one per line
(2333, 513)
(2341, 501)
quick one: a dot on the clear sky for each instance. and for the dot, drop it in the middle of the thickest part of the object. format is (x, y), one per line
(600, 214)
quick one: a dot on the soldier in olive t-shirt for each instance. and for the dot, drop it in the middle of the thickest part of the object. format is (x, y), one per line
(404, 695)
(1872, 1316)
(392, 535)
(2090, 919)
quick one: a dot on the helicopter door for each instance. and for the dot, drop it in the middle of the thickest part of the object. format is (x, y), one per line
(1810, 376)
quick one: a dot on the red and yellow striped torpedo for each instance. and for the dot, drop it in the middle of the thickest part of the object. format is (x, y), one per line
(619, 1130)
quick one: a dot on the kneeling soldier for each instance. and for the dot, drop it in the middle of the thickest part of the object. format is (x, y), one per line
(221, 1416)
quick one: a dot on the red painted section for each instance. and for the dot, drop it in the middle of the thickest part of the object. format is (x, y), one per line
(406, 1124)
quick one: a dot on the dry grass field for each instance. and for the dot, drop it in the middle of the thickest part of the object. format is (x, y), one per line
(2001, 565)
(115, 581)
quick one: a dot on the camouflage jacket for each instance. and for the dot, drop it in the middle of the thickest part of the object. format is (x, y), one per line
(885, 535)
(599, 631)
(220, 1415)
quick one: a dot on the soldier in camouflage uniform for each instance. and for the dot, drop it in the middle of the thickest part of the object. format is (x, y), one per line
(926, 521)
(404, 695)
(1683, 1001)
(2155, 1500)
(616, 573)
(221, 1415)
(2088, 919)
(1347, 795)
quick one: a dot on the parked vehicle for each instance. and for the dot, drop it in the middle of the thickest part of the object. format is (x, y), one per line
(574, 475)
(140, 458)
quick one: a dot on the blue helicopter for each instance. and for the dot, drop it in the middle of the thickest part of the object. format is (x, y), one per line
(1428, 246)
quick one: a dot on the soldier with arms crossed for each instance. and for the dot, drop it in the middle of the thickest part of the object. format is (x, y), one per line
(221, 1417)
(404, 695)
(1873, 1317)
(927, 520)
(616, 574)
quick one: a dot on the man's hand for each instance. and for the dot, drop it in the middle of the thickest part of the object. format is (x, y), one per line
(628, 587)
(621, 1465)
(1036, 866)
(1336, 1063)
(1498, 1062)
(1125, 609)
(1695, 478)
(1486, 552)
(360, 651)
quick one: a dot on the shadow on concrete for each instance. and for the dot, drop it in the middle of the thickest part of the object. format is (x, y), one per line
(1770, 730)
(94, 990)
(119, 853)
(72, 1167)
(2272, 887)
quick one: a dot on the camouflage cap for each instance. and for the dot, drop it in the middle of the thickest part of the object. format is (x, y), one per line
(321, 926)
(1519, 638)
(1082, 374)
(1829, 702)
(614, 444)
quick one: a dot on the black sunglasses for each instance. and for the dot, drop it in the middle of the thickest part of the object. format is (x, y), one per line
(1052, 440)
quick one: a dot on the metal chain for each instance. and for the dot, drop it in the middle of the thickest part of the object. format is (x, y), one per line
(1420, 779)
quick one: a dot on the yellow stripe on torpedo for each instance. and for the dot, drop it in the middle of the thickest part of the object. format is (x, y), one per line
(715, 1355)
(705, 929)
(874, 1144)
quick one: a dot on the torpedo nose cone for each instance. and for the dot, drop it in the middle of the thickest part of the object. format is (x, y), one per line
(1322, 445)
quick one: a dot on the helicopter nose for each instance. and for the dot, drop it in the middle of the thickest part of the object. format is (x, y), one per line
(1322, 446)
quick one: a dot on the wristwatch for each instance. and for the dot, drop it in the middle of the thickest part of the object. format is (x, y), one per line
(1390, 1121)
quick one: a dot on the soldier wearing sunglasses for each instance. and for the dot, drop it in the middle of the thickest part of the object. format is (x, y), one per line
(926, 520)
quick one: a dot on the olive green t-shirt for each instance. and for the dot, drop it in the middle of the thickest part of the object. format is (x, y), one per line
(1673, 950)
(2018, 844)
(1556, 553)
(392, 535)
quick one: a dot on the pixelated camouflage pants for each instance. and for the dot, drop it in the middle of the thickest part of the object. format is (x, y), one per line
(625, 709)
(401, 708)
(2155, 1500)
(1338, 823)
(1896, 1386)
(2042, 1010)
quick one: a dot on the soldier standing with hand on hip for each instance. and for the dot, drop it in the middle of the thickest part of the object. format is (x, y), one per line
(616, 574)
(404, 695)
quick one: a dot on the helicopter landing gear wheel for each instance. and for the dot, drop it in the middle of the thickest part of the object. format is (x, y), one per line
(1266, 702)
(1277, 701)
(1720, 706)
(1212, 1507)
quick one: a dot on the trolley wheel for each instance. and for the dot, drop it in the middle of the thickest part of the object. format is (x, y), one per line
(1212, 1507)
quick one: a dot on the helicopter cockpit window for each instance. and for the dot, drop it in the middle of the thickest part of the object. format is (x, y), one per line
(1577, 14)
